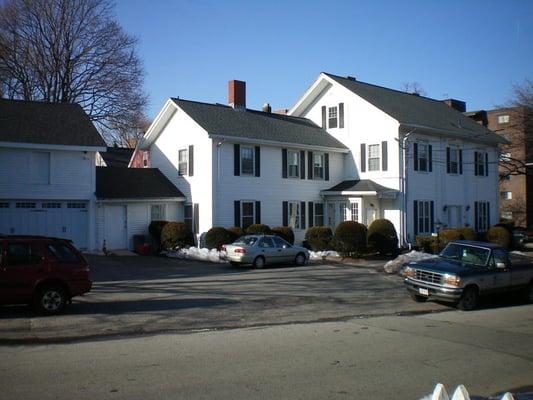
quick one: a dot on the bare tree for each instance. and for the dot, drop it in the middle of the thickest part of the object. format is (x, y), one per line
(413, 88)
(73, 51)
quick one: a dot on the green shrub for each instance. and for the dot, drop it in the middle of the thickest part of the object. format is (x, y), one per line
(447, 235)
(258, 229)
(176, 234)
(155, 229)
(319, 238)
(236, 232)
(382, 236)
(284, 232)
(350, 238)
(217, 236)
(427, 244)
(500, 236)
(468, 233)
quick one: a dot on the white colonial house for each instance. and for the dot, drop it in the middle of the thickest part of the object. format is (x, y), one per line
(347, 150)
(50, 186)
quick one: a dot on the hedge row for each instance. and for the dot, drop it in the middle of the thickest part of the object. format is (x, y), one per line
(498, 234)
(218, 236)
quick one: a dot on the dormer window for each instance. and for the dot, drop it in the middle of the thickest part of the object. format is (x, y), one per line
(332, 117)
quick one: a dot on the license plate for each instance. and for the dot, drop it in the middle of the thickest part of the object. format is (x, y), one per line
(423, 291)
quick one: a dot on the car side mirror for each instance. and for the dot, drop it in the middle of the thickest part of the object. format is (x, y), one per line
(501, 265)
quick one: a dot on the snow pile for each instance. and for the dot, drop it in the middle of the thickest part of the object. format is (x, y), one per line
(321, 255)
(194, 253)
(394, 266)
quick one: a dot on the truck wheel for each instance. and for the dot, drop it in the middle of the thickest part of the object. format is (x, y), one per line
(259, 262)
(469, 300)
(50, 299)
(418, 298)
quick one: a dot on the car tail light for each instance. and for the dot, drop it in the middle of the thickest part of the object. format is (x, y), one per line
(240, 250)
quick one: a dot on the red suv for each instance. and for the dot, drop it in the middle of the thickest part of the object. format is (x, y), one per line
(44, 272)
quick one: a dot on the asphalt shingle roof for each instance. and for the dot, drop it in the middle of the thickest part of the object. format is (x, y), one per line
(218, 119)
(133, 183)
(361, 185)
(47, 123)
(411, 109)
(117, 156)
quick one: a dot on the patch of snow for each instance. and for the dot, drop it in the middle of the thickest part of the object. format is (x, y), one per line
(394, 266)
(320, 255)
(194, 253)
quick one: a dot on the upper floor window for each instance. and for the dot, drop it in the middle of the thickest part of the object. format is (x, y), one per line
(182, 162)
(247, 160)
(318, 165)
(454, 160)
(293, 161)
(422, 157)
(332, 117)
(506, 195)
(373, 157)
(503, 119)
(481, 163)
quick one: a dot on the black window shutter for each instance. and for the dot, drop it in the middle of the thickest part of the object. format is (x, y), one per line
(237, 213)
(309, 165)
(341, 115)
(488, 215)
(486, 164)
(476, 225)
(432, 215)
(302, 214)
(363, 157)
(236, 159)
(285, 213)
(384, 156)
(196, 216)
(326, 166)
(257, 161)
(311, 206)
(191, 160)
(324, 117)
(415, 155)
(475, 163)
(302, 164)
(430, 158)
(284, 163)
(448, 160)
(415, 215)
(461, 162)
(257, 212)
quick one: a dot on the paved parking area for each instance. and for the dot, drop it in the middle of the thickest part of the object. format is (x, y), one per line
(138, 295)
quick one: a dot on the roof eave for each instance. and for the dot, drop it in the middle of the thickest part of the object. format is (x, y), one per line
(138, 199)
(474, 138)
(49, 146)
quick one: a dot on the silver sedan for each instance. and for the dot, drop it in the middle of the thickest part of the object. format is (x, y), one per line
(260, 250)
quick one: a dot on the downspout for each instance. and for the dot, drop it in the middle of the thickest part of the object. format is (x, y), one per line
(219, 145)
(404, 189)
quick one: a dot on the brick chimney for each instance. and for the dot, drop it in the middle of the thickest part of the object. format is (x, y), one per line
(237, 94)
(455, 104)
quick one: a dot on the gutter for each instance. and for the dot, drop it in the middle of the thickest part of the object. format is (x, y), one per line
(476, 137)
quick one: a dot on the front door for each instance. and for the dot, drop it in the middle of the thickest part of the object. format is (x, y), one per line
(115, 227)
(332, 215)
(371, 215)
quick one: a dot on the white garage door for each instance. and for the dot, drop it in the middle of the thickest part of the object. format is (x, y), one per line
(64, 219)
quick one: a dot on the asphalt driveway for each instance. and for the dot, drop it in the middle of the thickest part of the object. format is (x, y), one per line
(138, 295)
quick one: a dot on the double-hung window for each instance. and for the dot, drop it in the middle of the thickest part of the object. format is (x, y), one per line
(318, 165)
(332, 117)
(247, 160)
(294, 214)
(423, 217)
(373, 157)
(453, 159)
(423, 163)
(319, 214)
(182, 162)
(503, 119)
(293, 161)
(187, 217)
(157, 212)
(247, 213)
(481, 163)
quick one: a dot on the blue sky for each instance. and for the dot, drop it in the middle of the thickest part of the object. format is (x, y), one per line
(470, 50)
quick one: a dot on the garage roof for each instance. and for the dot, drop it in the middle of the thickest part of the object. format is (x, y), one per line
(134, 183)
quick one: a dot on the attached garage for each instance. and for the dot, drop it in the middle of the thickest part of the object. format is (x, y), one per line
(58, 218)
(128, 199)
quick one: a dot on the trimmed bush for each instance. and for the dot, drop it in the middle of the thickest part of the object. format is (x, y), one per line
(258, 229)
(284, 232)
(447, 235)
(350, 238)
(382, 236)
(500, 236)
(427, 244)
(236, 232)
(176, 234)
(318, 238)
(218, 236)
(468, 233)
(155, 229)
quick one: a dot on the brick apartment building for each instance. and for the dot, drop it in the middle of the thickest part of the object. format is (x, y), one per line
(516, 191)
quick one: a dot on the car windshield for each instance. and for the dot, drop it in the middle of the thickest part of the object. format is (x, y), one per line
(477, 256)
(246, 240)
